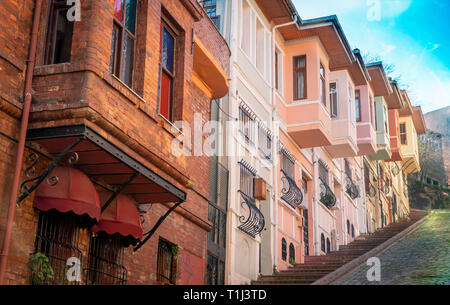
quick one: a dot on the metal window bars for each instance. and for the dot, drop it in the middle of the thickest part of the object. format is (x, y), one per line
(247, 121)
(247, 175)
(351, 188)
(265, 141)
(291, 193)
(57, 237)
(165, 264)
(327, 196)
(106, 260)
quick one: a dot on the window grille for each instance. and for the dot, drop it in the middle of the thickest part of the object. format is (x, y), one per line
(57, 237)
(287, 162)
(283, 249)
(165, 266)
(106, 260)
(322, 242)
(247, 175)
(291, 252)
(265, 141)
(247, 123)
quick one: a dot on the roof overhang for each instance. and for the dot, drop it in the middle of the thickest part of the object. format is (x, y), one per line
(395, 100)
(407, 108)
(419, 120)
(107, 164)
(279, 12)
(358, 71)
(330, 34)
(379, 82)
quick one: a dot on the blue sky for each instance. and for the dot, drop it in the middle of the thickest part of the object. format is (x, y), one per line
(412, 35)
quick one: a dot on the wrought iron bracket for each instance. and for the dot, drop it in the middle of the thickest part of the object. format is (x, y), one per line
(25, 190)
(156, 226)
(118, 191)
(327, 196)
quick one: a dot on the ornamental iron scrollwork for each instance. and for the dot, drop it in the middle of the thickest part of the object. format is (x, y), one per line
(252, 221)
(29, 185)
(372, 190)
(327, 196)
(291, 193)
(395, 169)
(351, 188)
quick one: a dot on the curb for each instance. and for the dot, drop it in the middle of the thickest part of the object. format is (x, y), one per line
(351, 266)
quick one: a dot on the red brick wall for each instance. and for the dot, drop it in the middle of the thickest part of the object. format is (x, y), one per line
(84, 91)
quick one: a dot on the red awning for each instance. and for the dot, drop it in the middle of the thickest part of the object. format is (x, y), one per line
(121, 216)
(73, 192)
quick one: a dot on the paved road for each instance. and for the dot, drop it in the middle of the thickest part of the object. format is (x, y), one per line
(421, 258)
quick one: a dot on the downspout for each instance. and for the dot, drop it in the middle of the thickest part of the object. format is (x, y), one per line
(276, 132)
(22, 138)
(379, 193)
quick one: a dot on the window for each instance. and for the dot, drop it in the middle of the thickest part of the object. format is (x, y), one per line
(305, 231)
(168, 42)
(276, 70)
(57, 237)
(124, 40)
(358, 105)
(366, 178)
(246, 28)
(322, 242)
(323, 89)
(283, 249)
(210, 7)
(328, 245)
(348, 171)
(300, 77)
(265, 141)
(350, 104)
(333, 100)
(403, 139)
(287, 162)
(372, 113)
(348, 226)
(215, 271)
(323, 172)
(165, 263)
(353, 231)
(247, 175)
(59, 34)
(247, 122)
(106, 260)
(260, 45)
(291, 253)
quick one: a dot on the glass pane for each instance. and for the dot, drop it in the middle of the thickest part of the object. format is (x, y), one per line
(130, 16)
(322, 71)
(127, 60)
(221, 275)
(300, 62)
(118, 7)
(166, 92)
(211, 270)
(113, 51)
(168, 45)
(63, 41)
(300, 84)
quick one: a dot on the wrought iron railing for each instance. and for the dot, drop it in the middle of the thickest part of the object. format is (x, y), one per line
(252, 221)
(327, 196)
(351, 188)
(291, 193)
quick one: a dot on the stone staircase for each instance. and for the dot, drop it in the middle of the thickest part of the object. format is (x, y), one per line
(316, 267)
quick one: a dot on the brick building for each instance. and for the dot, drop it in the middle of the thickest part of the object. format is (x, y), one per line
(106, 90)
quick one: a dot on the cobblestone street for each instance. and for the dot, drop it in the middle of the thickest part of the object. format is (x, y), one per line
(421, 258)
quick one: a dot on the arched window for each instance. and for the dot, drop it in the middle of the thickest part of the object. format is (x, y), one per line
(348, 226)
(283, 249)
(291, 252)
(322, 242)
(353, 231)
(328, 245)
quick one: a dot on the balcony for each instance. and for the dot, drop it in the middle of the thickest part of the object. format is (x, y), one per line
(327, 196)
(351, 188)
(309, 124)
(252, 220)
(382, 129)
(291, 193)
(395, 135)
(365, 128)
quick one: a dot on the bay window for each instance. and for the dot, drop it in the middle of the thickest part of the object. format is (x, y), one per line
(300, 77)
(124, 40)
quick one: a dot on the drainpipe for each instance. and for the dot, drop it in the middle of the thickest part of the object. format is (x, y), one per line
(379, 193)
(275, 175)
(316, 197)
(22, 137)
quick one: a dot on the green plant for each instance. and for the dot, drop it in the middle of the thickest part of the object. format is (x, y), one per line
(327, 199)
(275, 271)
(41, 270)
(292, 261)
(174, 249)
